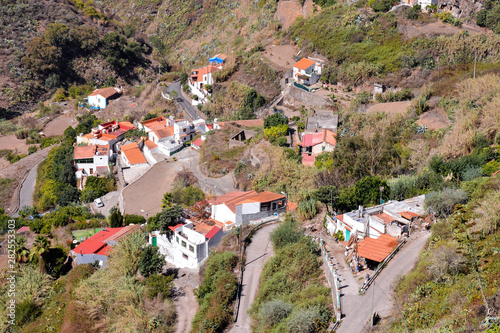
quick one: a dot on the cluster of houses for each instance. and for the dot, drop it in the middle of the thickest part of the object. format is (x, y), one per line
(163, 137)
(373, 233)
(192, 237)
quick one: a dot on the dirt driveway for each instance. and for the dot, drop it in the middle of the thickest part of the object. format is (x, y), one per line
(57, 126)
(144, 196)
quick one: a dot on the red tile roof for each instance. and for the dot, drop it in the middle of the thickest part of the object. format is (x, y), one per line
(198, 142)
(105, 92)
(150, 144)
(197, 74)
(81, 152)
(176, 226)
(304, 63)
(96, 242)
(386, 218)
(233, 199)
(159, 126)
(325, 135)
(24, 229)
(133, 153)
(213, 232)
(408, 215)
(377, 249)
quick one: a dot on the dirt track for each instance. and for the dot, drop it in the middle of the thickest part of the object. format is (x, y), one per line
(57, 126)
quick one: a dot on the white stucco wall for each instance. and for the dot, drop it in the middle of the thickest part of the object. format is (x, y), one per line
(222, 213)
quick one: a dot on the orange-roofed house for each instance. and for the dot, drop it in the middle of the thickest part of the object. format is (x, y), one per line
(201, 77)
(92, 160)
(106, 134)
(99, 98)
(131, 155)
(190, 244)
(244, 207)
(98, 247)
(162, 133)
(306, 71)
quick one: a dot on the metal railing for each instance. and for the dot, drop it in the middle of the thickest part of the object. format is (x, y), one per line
(333, 278)
(380, 267)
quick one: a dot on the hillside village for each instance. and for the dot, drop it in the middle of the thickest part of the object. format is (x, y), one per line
(288, 166)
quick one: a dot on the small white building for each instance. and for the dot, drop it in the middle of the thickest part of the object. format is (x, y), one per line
(92, 160)
(100, 97)
(316, 143)
(306, 71)
(236, 208)
(190, 244)
(200, 77)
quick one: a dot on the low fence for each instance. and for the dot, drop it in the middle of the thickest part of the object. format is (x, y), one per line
(380, 267)
(330, 263)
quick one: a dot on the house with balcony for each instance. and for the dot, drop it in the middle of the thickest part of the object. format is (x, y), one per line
(106, 134)
(307, 71)
(190, 244)
(169, 135)
(237, 208)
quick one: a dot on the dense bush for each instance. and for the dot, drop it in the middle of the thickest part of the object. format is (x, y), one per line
(291, 288)
(381, 5)
(159, 285)
(276, 119)
(403, 95)
(152, 261)
(56, 181)
(97, 187)
(216, 293)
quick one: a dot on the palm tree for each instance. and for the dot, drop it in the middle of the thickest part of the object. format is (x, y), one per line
(167, 200)
(22, 252)
(41, 246)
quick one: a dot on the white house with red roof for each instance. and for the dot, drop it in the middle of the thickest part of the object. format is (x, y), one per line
(190, 244)
(99, 97)
(92, 160)
(170, 135)
(236, 208)
(98, 247)
(132, 156)
(307, 71)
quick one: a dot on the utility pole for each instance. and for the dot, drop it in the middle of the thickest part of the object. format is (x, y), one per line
(475, 59)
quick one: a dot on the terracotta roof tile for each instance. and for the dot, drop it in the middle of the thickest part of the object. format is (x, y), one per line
(304, 63)
(105, 92)
(377, 249)
(133, 153)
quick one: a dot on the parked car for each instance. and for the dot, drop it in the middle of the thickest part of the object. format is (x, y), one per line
(98, 202)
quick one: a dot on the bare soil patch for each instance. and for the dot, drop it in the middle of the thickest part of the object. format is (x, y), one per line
(280, 55)
(13, 143)
(146, 193)
(434, 119)
(391, 108)
(288, 11)
(57, 126)
(412, 29)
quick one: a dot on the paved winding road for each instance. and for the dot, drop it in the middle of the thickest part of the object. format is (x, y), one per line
(191, 111)
(357, 309)
(27, 189)
(257, 253)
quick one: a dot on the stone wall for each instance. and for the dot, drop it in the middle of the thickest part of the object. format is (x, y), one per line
(297, 97)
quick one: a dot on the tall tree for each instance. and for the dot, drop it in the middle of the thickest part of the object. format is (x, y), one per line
(152, 261)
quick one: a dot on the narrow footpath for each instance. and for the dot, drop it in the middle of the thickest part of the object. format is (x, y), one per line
(257, 253)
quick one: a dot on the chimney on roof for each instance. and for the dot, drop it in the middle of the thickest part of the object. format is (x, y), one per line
(360, 211)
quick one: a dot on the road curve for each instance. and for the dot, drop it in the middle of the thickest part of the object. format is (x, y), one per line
(191, 111)
(358, 309)
(259, 250)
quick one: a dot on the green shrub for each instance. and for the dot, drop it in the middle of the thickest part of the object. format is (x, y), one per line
(152, 261)
(274, 311)
(159, 285)
(313, 319)
(381, 5)
(26, 312)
